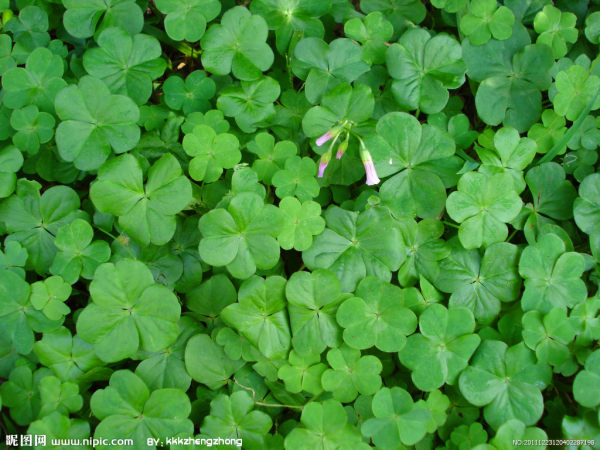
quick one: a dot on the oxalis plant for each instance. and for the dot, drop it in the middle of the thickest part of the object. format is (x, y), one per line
(299, 224)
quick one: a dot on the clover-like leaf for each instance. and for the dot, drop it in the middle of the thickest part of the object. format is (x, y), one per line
(442, 349)
(507, 381)
(302, 373)
(18, 316)
(301, 221)
(324, 66)
(128, 312)
(297, 178)
(237, 45)
(32, 128)
(93, 123)
(83, 18)
(351, 374)
(11, 161)
(56, 426)
(127, 64)
(35, 84)
(419, 156)
(397, 421)
(555, 29)
(313, 299)
(233, 417)
(187, 19)
(592, 27)
(549, 335)
(514, 430)
(552, 275)
(376, 317)
(355, 245)
(49, 296)
(33, 219)
(58, 396)
(324, 425)
(424, 68)
(207, 363)
(127, 408)
(400, 12)
(251, 103)
(575, 87)
(119, 190)
(292, 17)
(211, 153)
(482, 205)
(481, 283)
(78, 255)
(586, 387)
(271, 156)
(13, 258)
(69, 357)
(373, 33)
(486, 19)
(190, 95)
(587, 206)
(260, 315)
(241, 237)
(21, 393)
(512, 75)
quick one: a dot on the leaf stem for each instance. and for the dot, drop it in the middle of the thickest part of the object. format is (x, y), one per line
(453, 225)
(269, 405)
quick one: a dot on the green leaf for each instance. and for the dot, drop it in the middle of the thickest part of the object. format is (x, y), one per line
(251, 103)
(207, 363)
(127, 64)
(32, 128)
(290, 18)
(324, 425)
(486, 19)
(237, 45)
(57, 426)
(83, 16)
(586, 385)
(507, 382)
(324, 66)
(376, 317)
(119, 190)
(187, 19)
(211, 153)
(191, 95)
(301, 221)
(34, 219)
(355, 245)
(78, 255)
(57, 396)
(11, 161)
(418, 156)
(260, 315)
(592, 27)
(313, 299)
(587, 207)
(396, 420)
(351, 374)
(482, 205)
(399, 12)
(271, 156)
(241, 237)
(128, 312)
(575, 88)
(21, 394)
(549, 335)
(373, 33)
(302, 373)
(552, 275)
(555, 29)
(442, 349)
(127, 408)
(233, 417)
(93, 122)
(35, 84)
(481, 283)
(297, 179)
(512, 73)
(49, 296)
(424, 68)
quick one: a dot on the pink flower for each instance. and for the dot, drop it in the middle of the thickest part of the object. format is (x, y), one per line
(342, 149)
(322, 167)
(320, 141)
(365, 155)
(372, 177)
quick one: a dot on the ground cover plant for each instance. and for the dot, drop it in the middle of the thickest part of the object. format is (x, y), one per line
(300, 224)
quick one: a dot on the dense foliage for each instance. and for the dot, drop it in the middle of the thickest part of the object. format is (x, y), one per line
(308, 224)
